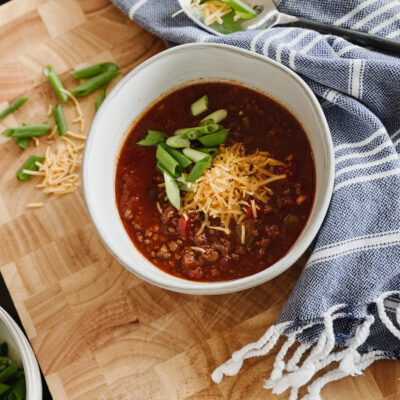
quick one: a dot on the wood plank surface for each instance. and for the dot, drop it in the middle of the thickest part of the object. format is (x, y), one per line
(98, 331)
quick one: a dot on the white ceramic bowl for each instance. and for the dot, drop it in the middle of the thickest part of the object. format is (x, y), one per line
(21, 352)
(145, 85)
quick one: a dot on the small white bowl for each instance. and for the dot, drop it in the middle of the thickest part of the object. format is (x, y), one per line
(145, 85)
(21, 352)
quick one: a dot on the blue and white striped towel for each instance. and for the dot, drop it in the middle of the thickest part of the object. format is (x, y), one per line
(348, 295)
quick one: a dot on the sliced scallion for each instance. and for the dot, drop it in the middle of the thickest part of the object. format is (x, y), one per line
(94, 83)
(172, 189)
(215, 117)
(194, 155)
(55, 82)
(183, 184)
(199, 130)
(178, 142)
(13, 106)
(28, 131)
(8, 132)
(22, 142)
(100, 98)
(152, 138)
(59, 119)
(214, 139)
(198, 169)
(241, 8)
(93, 70)
(212, 151)
(29, 164)
(199, 106)
(182, 159)
(168, 162)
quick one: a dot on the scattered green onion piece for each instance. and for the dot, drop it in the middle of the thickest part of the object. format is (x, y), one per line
(168, 162)
(183, 184)
(8, 132)
(27, 131)
(18, 392)
(152, 138)
(194, 155)
(4, 388)
(212, 151)
(215, 117)
(3, 360)
(178, 142)
(94, 83)
(198, 169)
(199, 106)
(12, 107)
(199, 130)
(153, 194)
(172, 189)
(100, 98)
(214, 139)
(58, 115)
(22, 142)
(9, 373)
(29, 164)
(55, 83)
(93, 70)
(4, 349)
(182, 159)
(241, 8)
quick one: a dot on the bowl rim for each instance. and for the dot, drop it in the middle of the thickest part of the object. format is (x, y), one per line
(31, 368)
(297, 249)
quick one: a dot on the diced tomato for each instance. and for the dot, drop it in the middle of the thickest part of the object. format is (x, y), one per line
(183, 227)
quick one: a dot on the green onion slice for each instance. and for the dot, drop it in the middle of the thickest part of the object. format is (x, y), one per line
(241, 8)
(172, 189)
(22, 142)
(152, 138)
(199, 130)
(9, 373)
(18, 392)
(100, 98)
(13, 106)
(182, 159)
(93, 70)
(58, 115)
(194, 155)
(212, 151)
(29, 164)
(94, 83)
(178, 141)
(168, 162)
(214, 139)
(183, 184)
(215, 117)
(27, 131)
(55, 83)
(8, 132)
(198, 169)
(199, 106)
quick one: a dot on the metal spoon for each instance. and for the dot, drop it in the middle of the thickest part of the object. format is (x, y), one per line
(268, 16)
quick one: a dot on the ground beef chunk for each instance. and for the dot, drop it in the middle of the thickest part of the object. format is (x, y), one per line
(200, 240)
(223, 248)
(163, 252)
(272, 231)
(172, 246)
(191, 265)
(210, 255)
(168, 214)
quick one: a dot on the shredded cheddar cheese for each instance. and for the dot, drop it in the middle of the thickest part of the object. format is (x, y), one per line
(34, 205)
(231, 185)
(80, 118)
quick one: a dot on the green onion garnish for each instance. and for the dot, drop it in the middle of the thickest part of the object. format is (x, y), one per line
(8, 132)
(214, 139)
(94, 83)
(13, 106)
(152, 138)
(29, 164)
(212, 151)
(168, 162)
(22, 142)
(198, 130)
(55, 83)
(215, 117)
(194, 155)
(4, 388)
(59, 119)
(178, 141)
(182, 159)
(93, 70)
(241, 9)
(100, 98)
(183, 184)
(198, 169)
(18, 392)
(172, 189)
(199, 106)
(28, 131)
(9, 373)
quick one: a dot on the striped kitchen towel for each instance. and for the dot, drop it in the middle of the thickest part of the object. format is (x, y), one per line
(345, 307)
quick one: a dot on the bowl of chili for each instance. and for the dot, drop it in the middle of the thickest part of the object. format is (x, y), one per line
(208, 169)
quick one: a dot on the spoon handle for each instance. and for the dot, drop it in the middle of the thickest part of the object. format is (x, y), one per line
(362, 38)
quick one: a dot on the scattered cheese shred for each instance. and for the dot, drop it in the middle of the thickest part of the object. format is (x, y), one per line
(36, 140)
(231, 185)
(49, 110)
(34, 205)
(159, 208)
(198, 249)
(213, 11)
(243, 236)
(80, 117)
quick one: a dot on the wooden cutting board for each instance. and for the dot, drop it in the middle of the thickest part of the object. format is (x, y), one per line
(98, 331)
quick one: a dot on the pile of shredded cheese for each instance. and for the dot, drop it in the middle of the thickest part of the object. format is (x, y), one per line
(213, 10)
(231, 185)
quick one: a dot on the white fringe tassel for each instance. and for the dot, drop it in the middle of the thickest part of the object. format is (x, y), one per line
(351, 362)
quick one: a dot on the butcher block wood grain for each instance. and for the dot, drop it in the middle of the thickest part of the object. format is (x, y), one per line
(98, 331)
